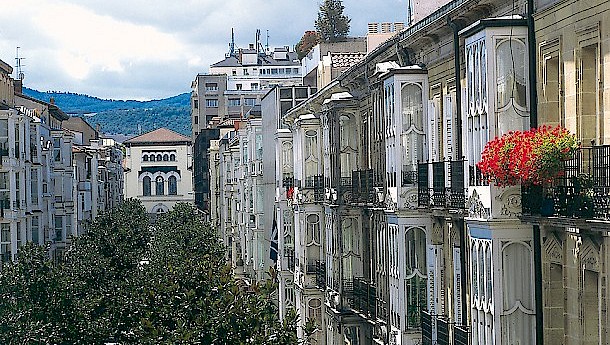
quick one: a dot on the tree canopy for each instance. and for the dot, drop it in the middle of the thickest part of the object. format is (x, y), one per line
(125, 281)
(332, 24)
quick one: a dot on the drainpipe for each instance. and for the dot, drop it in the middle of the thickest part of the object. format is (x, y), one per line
(458, 104)
(531, 33)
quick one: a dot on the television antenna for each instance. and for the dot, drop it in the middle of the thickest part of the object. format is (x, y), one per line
(19, 66)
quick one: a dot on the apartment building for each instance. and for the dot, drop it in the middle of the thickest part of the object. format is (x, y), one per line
(224, 95)
(388, 233)
(39, 185)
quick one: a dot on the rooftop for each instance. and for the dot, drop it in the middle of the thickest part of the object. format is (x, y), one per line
(160, 135)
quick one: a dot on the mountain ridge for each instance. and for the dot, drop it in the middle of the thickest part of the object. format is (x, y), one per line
(126, 117)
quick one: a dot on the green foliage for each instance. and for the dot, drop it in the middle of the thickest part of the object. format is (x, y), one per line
(123, 117)
(332, 24)
(126, 281)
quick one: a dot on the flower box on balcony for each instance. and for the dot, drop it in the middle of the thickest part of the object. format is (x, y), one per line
(533, 157)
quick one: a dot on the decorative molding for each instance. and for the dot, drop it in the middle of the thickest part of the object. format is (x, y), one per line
(475, 207)
(511, 202)
(589, 255)
(553, 249)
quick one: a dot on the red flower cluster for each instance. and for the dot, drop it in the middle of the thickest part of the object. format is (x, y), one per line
(533, 157)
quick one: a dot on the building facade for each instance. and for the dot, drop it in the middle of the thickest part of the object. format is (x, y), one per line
(388, 233)
(158, 170)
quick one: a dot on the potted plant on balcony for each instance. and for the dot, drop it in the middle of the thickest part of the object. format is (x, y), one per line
(529, 158)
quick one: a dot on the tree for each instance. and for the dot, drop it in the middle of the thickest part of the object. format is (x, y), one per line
(307, 42)
(332, 24)
(125, 281)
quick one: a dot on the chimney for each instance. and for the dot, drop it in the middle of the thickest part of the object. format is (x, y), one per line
(19, 86)
(251, 46)
(52, 100)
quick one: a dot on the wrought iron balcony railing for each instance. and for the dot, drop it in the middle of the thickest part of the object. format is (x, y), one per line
(321, 274)
(582, 192)
(445, 189)
(362, 186)
(365, 298)
(315, 183)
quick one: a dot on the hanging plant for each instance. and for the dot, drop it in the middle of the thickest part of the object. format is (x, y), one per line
(533, 157)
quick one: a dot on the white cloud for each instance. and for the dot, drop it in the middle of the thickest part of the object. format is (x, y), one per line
(151, 48)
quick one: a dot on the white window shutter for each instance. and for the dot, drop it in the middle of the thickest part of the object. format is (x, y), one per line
(457, 286)
(432, 130)
(448, 130)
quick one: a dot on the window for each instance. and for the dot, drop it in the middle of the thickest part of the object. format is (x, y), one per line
(34, 229)
(211, 87)
(159, 186)
(165, 157)
(234, 72)
(238, 86)
(511, 79)
(172, 157)
(416, 281)
(286, 93)
(57, 149)
(254, 86)
(274, 71)
(5, 241)
(412, 136)
(152, 158)
(195, 104)
(196, 119)
(145, 158)
(34, 187)
(211, 103)
(300, 92)
(234, 102)
(159, 157)
(146, 186)
(172, 185)
(250, 102)
(246, 71)
(59, 225)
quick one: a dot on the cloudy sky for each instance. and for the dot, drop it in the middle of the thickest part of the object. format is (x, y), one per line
(147, 49)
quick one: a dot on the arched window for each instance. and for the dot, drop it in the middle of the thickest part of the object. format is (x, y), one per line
(145, 158)
(172, 157)
(172, 187)
(146, 186)
(159, 186)
(152, 158)
(165, 157)
(159, 157)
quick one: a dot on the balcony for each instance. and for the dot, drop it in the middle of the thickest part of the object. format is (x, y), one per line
(320, 272)
(316, 184)
(362, 186)
(365, 298)
(447, 191)
(582, 193)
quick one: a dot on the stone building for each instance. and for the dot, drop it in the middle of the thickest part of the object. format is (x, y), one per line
(387, 231)
(158, 170)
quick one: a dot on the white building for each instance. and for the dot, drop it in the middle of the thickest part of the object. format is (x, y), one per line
(158, 170)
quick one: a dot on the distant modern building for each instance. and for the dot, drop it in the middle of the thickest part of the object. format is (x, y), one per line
(158, 170)
(222, 97)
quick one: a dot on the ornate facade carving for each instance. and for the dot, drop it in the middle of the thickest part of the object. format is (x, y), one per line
(475, 207)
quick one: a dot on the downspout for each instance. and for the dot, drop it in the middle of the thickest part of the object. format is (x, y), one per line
(458, 104)
(531, 33)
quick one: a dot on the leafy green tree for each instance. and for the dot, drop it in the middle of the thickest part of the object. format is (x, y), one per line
(129, 282)
(332, 24)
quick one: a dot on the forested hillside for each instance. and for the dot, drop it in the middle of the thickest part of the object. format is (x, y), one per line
(123, 117)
